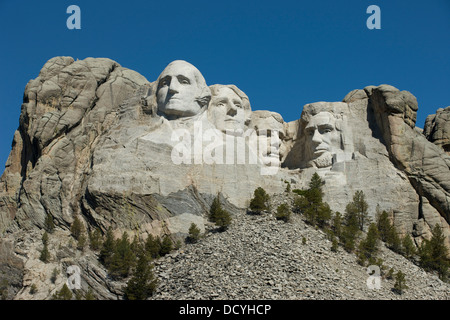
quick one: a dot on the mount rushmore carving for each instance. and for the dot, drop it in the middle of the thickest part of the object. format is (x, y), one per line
(99, 141)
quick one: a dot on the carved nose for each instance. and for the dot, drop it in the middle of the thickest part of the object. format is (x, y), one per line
(317, 137)
(232, 110)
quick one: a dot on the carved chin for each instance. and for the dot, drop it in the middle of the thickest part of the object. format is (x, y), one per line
(323, 161)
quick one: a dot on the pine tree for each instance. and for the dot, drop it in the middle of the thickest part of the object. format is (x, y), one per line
(108, 248)
(63, 294)
(218, 215)
(400, 282)
(49, 224)
(337, 224)
(408, 247)
(153, 246)
(123, 258)
(283, 213)
(45, 254)
(383, 225)
(77, 228)
(95, 239)
(143, 283)
(433, 253)
(393, 240)
(166, 246)
(194, 233)
(359, 208)
(369, 246)
(260, 200)
(350, 229)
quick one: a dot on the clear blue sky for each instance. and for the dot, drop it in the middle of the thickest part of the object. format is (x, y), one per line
(282, 54)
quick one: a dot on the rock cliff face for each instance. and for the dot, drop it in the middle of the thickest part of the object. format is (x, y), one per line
(100, 142)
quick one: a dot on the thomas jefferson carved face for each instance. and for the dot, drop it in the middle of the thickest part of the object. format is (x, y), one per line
(323, 138)
(181, 91)
(228, 110)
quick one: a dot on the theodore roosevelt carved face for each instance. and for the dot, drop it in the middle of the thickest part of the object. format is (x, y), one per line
(181, 91)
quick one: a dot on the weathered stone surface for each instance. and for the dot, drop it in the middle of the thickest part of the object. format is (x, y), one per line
(100, 142)
(437, 128)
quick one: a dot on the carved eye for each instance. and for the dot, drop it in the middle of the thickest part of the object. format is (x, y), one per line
(238, 105)
(164, 82)
(183, 80)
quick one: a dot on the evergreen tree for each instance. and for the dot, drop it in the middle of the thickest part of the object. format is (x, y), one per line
(166, 246)
(393, 240)
(337, 224)
(63, 294)
(383, 225)
(194, 233)
(218, 215)
(350, 229)
(260, 200)
(400, 283)
(49, 224)
(95, 239)
(143, 283)
(223, 219)
(368, 247)
(123, 258)
(283, 213)
(45, 254)
(359, 207)
(108, 248)
(153, 246)
(77, 228)
(433, 253)
(311, 204)
(409, 249)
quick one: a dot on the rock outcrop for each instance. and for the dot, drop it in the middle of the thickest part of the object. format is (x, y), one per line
(100, 142)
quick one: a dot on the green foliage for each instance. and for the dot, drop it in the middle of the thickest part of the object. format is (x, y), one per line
(194, 233)
(153, 246)
(45, 254)
(358, 208)
(33, 289)
(283, 212)
(408, 247)
(311, 204)
(77, 228)
(393, 240)
(166, 246)
(433, 254)
(95, 239)
(49, 224)
(350, 230)
(219, 216)
(383, 225)
(400, 282)
(260, 200)
(288, 187)
(81, 243)
(54, 275)
(122, 259)
(368, 247)
(143, 283)
(337, 224)
(334, 244)
(303, 240)
(63, 294)
(108, 248)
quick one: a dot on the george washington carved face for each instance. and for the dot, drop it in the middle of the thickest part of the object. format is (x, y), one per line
(181, 91)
